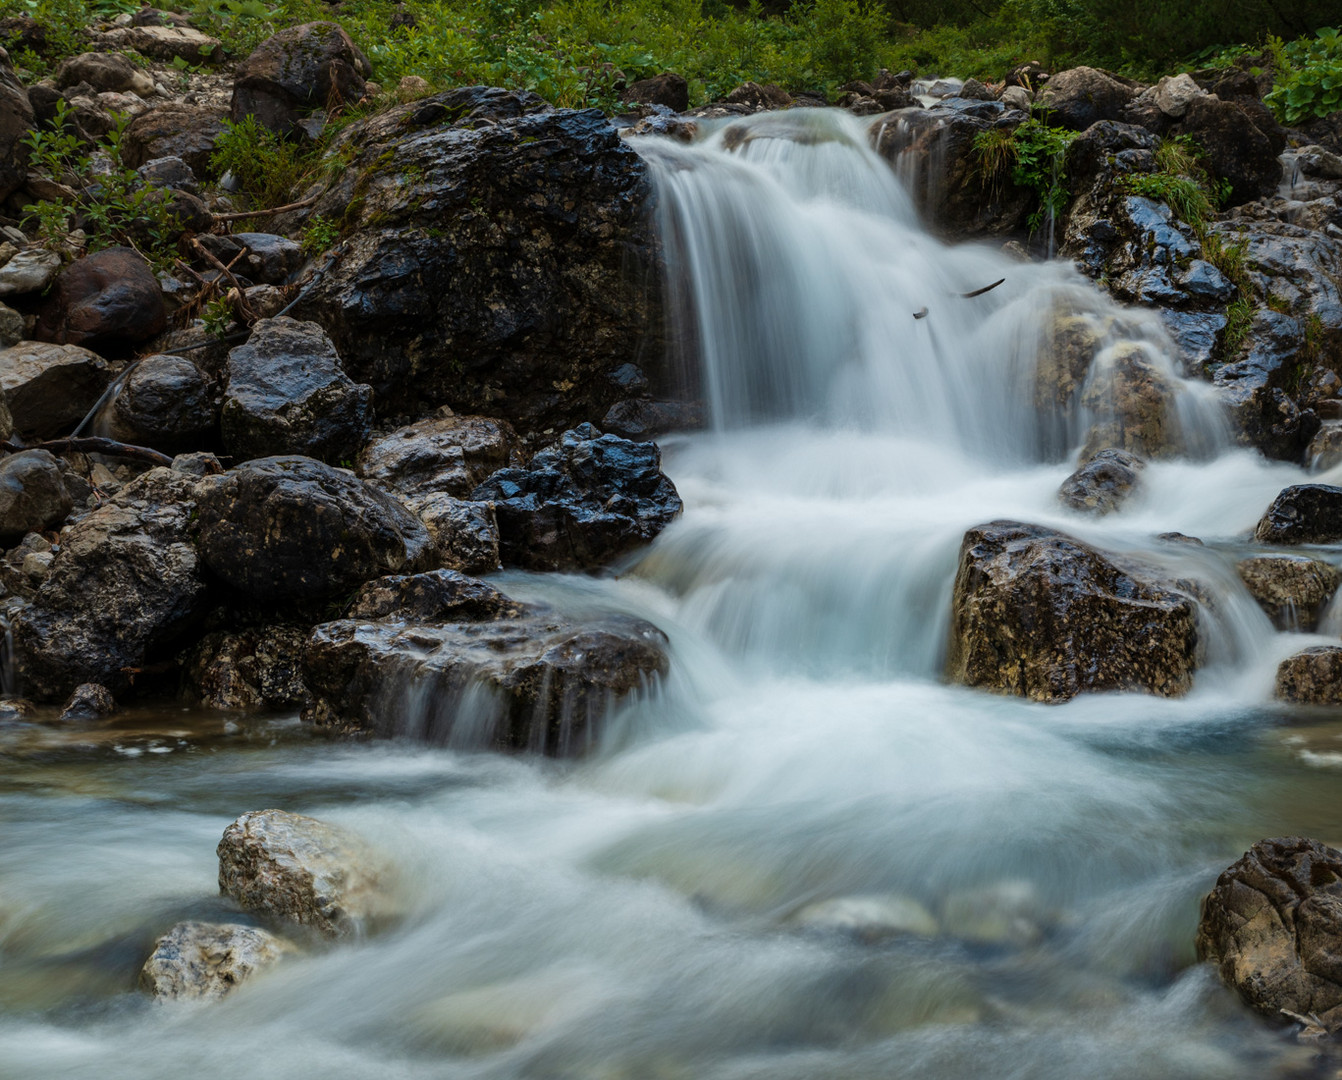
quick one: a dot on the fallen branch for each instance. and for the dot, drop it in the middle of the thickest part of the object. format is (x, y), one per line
(92, 445)
(243, 214)
(985, 289)
(246, 315)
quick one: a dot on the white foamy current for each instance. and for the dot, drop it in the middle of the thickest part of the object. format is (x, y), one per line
(665, 908)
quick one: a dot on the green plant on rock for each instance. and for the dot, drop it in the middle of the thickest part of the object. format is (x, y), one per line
(217, 316)
(267, 167)
(1035, 154)
(1308, 81)
(320, 234)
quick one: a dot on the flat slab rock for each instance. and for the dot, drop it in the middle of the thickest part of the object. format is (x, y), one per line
(1040, 614)
(300, 870)
(1273, 928)
(452, 660)
(204, 961)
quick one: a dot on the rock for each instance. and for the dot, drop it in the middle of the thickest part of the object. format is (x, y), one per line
(641, 419)
(122, 588)
(1303, 514)
(165, 403)
(166, 43)
(443, 454)
(1311, 677)
(544, 212)
(1103, 483)
(1042, 615)
(6, 420)
(1318, 162)
(16, 710)
(1325, 449)
(200, 463)
(270, 259)
(33, 496)
(580, 503)
(1292, 589)
(1174, 93)
(465, 533)
(104, 72)
(296, 72)
(296, 868)
(50, 388)
(29, 271)
(291, 528)
(1132, 403)
(667, 89)
(539, 682)
(90, 701)
(1273, 928)
(189, 132)
(16, 123)
(12, 329)
(1001, 913)
(288, 394)
(1080, 96)
(436, 596)
(260, 668)
(973, 90)
(1017, 97)
(105, 299)
(204, 961)
(1242, 141)
(758, 98)
(412, 86)
(170, 172)
(868, 918)
(1091, 152)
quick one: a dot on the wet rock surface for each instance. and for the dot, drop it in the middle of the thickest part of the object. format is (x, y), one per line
(1311, 677)
(199, 961)
(33, 495)
(580, 503)
(167, 403)
(105, 299)
(255, 668)
(465, 533)
(1103, 483)
(1080, 96)
(1273, 928)
(1303, 514)
(48, 388)
(292, 528)
(301, 870)
(90, 701)
(443, 454)
(287, 393)
(1042, 615)
(1292, 589)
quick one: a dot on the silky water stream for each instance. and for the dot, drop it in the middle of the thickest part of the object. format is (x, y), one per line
(651, 912)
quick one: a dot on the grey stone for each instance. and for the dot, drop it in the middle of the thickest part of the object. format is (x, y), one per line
(198, 961)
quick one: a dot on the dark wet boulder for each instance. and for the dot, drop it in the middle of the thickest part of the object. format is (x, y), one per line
(298, 869)
(1103, 483)
(189, 132)
(1040, 614)
(198, 961)
(166, 402)
(1242, 140)
(498, 260)
(435, 596)
(465, 533)
(124, 585)
(1303, 514)
(581, 503)
(1273, 928)
(89, 701)
(441, 454)
(33, 495)
(287, 393)
(1090, 153)
(667, 89)
(296, 72)
(16, 124)
(264, 258)
(292, 528)
(1311, 677)
(254, 668)
(538, 682)
(105, 299)
(1080, 96)
(1292, 589)
(641, 419)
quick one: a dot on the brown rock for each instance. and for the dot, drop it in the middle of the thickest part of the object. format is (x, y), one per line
(1078, 97)
(1133, 406)
(1292, 589)
(759, 98)
(667, 89)
(1103, 483)
(105, 299)
(444, 454)
(16, 121)
(1311, 677)
(49, 388)
(33, 496)
(297, 71)
(89, 701)
(188, 132)
(259, 668)
(204, 961)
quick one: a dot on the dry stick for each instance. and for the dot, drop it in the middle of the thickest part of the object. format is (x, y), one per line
(242, 215)
(92, 445)
(247, 315)
(985, 289)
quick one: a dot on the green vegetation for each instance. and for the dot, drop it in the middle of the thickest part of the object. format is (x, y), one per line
(1308, 76)
(1033, 154)
(267, 167)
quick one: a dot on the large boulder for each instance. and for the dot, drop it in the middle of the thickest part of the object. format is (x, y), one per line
(197, 961)
(189, 132)
(105, 72)
(167, 43)
(1040, 614)
(33, 495)
(1080, 96)
(48, 389)
(291, 528)
(105, 299)
(466, 533)
(580, 503)
(124, 584)
(296, 72)
(1242, 141)
(441, 454)
(1311, 677)
(449, 660)
(288, 394)
(165, 402)
(497, 260)
(1303, 514)
(667, 89)
(298, 869)
(1273, 928)
(16, 123)
(1292, 589)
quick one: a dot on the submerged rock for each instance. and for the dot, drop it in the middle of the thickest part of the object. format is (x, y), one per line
(1273, 928)
(1040, 614)
(580, 503)
(90, 701)
(1311, 677)
(1303, 514)
(1133, 406)
(301, 870)
(1101, 485)
(204, 961)
(1292, 589)
(868, 918)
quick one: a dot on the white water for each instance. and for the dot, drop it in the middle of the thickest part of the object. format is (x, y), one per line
(631, 916)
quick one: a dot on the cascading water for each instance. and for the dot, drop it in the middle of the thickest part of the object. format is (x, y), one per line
(659, 910)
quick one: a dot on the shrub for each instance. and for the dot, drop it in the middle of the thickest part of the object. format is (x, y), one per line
(1308, 77)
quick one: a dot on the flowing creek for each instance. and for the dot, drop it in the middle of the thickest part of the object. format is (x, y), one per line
(642, 914)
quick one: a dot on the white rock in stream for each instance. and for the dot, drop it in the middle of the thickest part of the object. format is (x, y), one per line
(869, 918)
(303, 870)
(205, 961)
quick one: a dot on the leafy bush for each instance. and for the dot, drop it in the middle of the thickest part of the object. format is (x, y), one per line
(1034, 154)
(1308, 77)
(267, 167)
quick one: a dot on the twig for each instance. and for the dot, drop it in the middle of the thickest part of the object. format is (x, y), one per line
(247, 315)
(92, 445)
(985, 289)
(244, 214)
